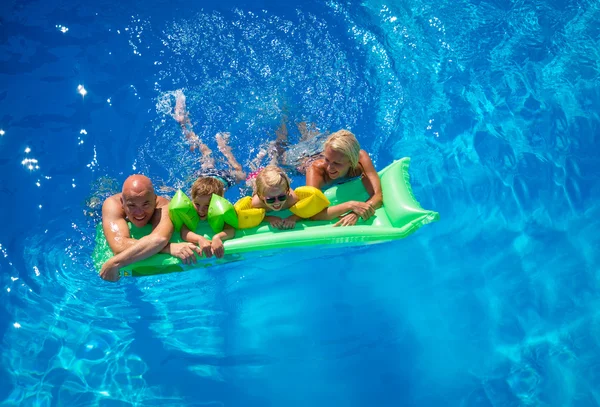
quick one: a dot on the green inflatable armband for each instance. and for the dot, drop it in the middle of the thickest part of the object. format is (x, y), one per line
(182, 212)
(220, 212)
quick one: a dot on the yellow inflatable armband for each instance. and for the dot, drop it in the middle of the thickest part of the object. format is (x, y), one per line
(310, 202)
(248, 217)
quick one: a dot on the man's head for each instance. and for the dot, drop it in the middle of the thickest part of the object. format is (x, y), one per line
(138, 199)
(202, 191)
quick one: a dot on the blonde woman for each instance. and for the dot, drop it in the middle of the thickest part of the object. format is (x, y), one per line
(343, 160)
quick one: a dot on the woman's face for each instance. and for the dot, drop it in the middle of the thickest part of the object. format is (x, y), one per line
(337, 163)
(275, 197)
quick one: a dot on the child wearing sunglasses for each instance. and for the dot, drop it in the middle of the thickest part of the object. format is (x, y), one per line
(202, 191)
(273, 193)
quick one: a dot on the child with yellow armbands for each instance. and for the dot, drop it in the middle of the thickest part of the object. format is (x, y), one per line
(202, 193)
(272, 194)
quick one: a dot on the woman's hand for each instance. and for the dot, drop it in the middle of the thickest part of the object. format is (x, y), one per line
(362, 209)
(347, 220)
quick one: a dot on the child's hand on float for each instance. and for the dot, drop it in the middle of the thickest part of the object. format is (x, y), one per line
(290, 222)
(217, 247)
(205, 247)
(275, 221)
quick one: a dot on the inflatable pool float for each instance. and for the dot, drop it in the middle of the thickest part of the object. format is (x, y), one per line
(400, 216)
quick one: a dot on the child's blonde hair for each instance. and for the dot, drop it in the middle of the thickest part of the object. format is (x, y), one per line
(343, 141)
(206, 186)
(269, 177)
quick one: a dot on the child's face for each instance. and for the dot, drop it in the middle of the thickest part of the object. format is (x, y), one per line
(275, 197)
(201, 203)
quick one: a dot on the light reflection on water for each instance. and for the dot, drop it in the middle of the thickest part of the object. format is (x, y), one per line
(493, 305)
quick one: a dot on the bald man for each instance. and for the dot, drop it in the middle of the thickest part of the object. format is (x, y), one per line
(138, 204)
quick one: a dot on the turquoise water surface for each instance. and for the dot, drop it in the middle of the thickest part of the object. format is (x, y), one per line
(496, 103)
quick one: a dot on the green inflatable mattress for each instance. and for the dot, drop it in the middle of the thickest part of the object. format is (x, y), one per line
(400, 216)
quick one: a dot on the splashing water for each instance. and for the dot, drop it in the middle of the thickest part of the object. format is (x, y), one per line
(496, 104)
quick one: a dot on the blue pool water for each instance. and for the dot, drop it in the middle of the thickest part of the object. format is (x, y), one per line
(495, 305)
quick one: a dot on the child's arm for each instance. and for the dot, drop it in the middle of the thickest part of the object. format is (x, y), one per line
(217, 240)
(257, 203)
(227, 233)
(201, 241)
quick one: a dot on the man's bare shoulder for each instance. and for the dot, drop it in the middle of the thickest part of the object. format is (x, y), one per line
(161, 201)
(114, 198)
(112, 209)
(112, 202)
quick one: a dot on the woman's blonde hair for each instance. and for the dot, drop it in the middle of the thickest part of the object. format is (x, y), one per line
(343, 141)
(269, 177)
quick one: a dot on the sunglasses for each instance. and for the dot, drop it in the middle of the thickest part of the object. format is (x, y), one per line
(272, 200)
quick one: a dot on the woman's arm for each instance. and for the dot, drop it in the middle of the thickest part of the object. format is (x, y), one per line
(332, 212)
(371, 180)
(314, 175)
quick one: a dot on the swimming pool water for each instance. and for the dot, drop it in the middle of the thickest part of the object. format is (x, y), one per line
(495, 305)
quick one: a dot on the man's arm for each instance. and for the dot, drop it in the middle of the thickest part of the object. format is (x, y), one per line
(204, 246)
(115, 227)
(144, 248)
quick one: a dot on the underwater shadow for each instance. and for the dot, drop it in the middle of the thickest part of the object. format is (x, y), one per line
(170, 370)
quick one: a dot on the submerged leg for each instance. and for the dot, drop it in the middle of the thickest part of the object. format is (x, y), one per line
(207, 160)
(307, 132)
(255, 164)
(181, 115)
(277, 147)
(225, 149)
